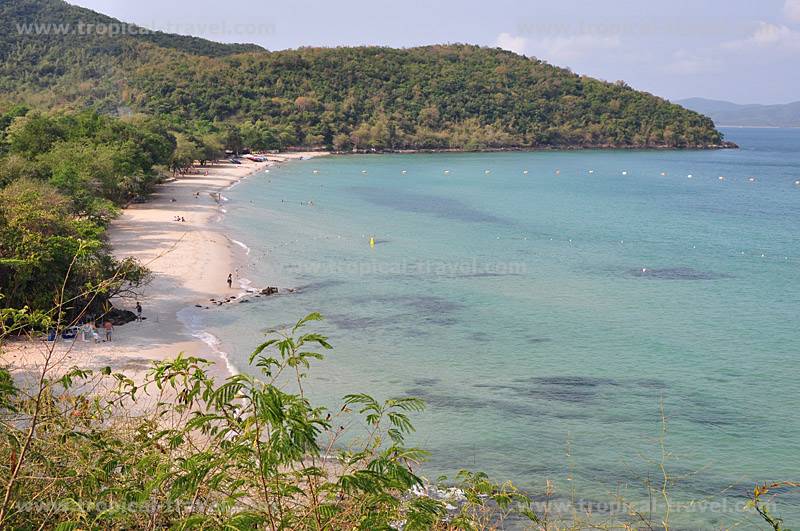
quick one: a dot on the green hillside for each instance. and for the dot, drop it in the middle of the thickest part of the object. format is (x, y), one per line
(433, 97)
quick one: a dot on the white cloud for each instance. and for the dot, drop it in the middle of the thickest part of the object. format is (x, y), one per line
(512, 43)
(559, 50)
(792, 10)
(685, 63)
(563, 50)
(768, 35)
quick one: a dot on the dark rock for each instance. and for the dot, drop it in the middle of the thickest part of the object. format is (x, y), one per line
(269, 290)
(119, 317)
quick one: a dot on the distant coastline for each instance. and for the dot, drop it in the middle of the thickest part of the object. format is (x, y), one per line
(784, 115)
(760, 126)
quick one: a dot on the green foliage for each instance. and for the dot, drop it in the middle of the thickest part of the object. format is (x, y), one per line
(63, 177)
(242, 454)
(433, 97)
(186, 152)
(760, 502)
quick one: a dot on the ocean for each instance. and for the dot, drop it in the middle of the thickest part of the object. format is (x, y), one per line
(549, 307)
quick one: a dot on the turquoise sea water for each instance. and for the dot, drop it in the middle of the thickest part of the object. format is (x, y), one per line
(544, 316)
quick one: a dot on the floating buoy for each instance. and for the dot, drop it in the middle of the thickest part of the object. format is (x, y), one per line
(363, 171)
(591, 171)
(689, 176)
(624, 173)
(721, 177)
(446, 172)
(558, 172)
(644, 270)
(372, 242)
(525, 172)
(404, 172)
(797, 183)
(315, 171)
(663, 174)
(487, 172)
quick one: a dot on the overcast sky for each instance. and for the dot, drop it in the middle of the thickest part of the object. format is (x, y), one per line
(747, 51)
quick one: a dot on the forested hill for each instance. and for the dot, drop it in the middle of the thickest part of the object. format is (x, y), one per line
(453, 96)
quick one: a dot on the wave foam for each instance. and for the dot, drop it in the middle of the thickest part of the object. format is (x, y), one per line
(193, 323)
(242, 245)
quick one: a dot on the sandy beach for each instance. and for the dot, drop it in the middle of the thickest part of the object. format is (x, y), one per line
(190, 261)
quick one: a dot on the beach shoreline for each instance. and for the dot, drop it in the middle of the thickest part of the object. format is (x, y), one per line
(178, 236)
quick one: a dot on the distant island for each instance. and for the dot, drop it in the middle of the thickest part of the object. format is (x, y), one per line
(54, 55)
(725, 113)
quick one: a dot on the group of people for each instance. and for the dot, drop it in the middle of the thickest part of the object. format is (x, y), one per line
(178, 218)
(89, 329)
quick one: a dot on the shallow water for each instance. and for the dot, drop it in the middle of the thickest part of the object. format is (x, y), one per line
(544, 316)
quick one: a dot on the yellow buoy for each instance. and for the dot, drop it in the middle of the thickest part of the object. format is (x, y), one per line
(372, 242)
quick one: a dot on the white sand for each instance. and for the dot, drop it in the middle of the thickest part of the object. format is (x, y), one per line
(190, 262)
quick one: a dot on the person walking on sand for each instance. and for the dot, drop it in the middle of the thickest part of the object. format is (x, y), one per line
(109, 328)
(138, 311)
(230, 280)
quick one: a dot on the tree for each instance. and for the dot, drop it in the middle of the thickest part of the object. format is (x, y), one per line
(186, 152)
(259, 136)
(33, 134)
(233, 139)
(341, 142)
(211, 147)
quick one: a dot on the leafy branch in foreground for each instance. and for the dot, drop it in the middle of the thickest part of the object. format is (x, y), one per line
(98, 450)
(761, 506)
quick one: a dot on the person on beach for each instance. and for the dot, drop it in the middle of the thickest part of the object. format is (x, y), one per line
(93, 331)
(138, 311)
(230, 280)
(86, 331)
(109, 328)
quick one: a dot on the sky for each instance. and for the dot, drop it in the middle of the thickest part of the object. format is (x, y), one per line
(745, 51)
